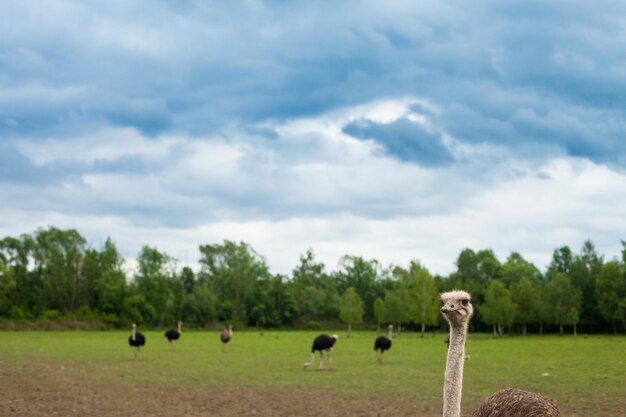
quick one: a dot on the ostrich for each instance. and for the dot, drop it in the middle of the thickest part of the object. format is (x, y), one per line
(511, 402)
(382, 344)
(225, 336)
(137, 340)
(323, 343)
(172, 335)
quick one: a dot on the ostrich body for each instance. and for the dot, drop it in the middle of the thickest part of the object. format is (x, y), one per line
(323, 343)
(511, 402)
(137, 340)
(516, 402)
(225, 336)
(172, 335)
(383, 344)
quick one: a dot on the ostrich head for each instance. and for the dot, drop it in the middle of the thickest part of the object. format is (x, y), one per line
(390, 327)
(456, 307)
(335, 336)
(134, 326)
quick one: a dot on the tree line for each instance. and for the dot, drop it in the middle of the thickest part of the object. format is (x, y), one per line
(53, 274)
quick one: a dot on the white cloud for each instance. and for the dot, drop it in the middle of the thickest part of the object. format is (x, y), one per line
(102, 144)
(313, 186)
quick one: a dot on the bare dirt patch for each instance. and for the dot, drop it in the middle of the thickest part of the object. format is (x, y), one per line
(49, 389)
(39, 388)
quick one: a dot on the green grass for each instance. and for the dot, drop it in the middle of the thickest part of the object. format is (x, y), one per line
(587, 371)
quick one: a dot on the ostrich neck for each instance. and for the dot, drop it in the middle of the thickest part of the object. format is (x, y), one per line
(179, 330)
(453, 385)
(134, 333)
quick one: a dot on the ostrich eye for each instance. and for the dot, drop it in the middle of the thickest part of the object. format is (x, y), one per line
(442, 303)
(464, 302)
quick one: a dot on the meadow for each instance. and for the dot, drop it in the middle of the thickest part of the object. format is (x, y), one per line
(585, 375)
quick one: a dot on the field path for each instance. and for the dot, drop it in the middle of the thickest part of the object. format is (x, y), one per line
(42, 388)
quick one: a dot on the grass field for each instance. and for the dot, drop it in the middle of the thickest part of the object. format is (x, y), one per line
(586, 375)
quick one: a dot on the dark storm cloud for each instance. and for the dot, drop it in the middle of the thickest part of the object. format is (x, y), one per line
(403, 139)
(196, 67)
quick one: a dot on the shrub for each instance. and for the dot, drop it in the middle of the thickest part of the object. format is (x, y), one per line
(83, 313)
(51, 315)
(312, 325)
(16, 313)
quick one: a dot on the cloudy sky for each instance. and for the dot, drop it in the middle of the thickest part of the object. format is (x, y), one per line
(393, 130)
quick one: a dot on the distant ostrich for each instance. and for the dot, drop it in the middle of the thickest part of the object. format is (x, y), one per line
(511, 402)
(323, 343)
(225, 336)
(137, 340)
(172, 335)
(383, 343)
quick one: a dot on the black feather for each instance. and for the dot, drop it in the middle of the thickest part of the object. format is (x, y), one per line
(139, 340)
(382, 343)
(172, 334)
(323, 342)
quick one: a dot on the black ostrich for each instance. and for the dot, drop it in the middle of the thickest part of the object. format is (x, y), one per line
(382, 344)
(225, 336)
(137, 340)
(172, 335)
(323, 343)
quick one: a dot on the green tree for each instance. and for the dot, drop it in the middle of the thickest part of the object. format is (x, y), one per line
(315, 292)
(526, 295)
(489, 266)
(397, 306)
(290, 309)
(424, 306)
(234, 271)
(258, 315)
(379, 311)
(57, 259)
(157, 282)
(311, 300)
(561, 261)
(136, 309)
(363, 276)
(498, 308)
(272, 299)
(351, 309)
(201, 305)
(108, 280)
(467, 272)
(515, 268)
(14, 276)
(23, 285)
(584, 270)
(562, 301)
(475, 270)
(226, 312)
(189, 279)
(611, 291)
(7, 287)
